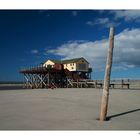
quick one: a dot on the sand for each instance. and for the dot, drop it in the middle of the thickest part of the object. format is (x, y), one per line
(68, 109)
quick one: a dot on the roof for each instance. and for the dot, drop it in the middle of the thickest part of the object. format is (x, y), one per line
(55, 61)
(68, 60)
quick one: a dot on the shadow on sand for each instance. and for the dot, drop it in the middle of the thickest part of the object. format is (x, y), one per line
(120, 114)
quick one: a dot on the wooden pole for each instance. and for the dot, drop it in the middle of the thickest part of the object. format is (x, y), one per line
(105, 95)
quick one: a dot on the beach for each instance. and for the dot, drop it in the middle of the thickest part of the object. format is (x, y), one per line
(68, 109)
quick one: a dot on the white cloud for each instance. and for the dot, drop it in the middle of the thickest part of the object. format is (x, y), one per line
(127, 14)
(34, 51)
(102, 21)
(91, 23)
(106, 22)
(126, 50)
(74, 13)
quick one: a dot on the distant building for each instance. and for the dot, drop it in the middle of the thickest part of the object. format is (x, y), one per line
(74, 65)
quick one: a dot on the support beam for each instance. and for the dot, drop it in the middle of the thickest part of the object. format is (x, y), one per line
(42, 78)
(105, 95)
(69, 82)
(28, 81)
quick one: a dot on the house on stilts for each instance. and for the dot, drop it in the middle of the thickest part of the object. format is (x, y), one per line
(58, 74)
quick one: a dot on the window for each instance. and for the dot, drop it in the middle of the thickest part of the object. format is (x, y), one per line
(72, 67)
(82, 66)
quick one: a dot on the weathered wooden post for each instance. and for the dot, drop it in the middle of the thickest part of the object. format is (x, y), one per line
(105, 95)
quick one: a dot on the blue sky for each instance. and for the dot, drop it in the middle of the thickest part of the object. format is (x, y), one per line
(29, 37)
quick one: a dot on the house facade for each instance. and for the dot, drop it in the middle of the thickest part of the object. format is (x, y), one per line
(77, 64)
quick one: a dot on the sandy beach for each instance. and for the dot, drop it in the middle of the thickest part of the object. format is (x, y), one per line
(68, 109)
